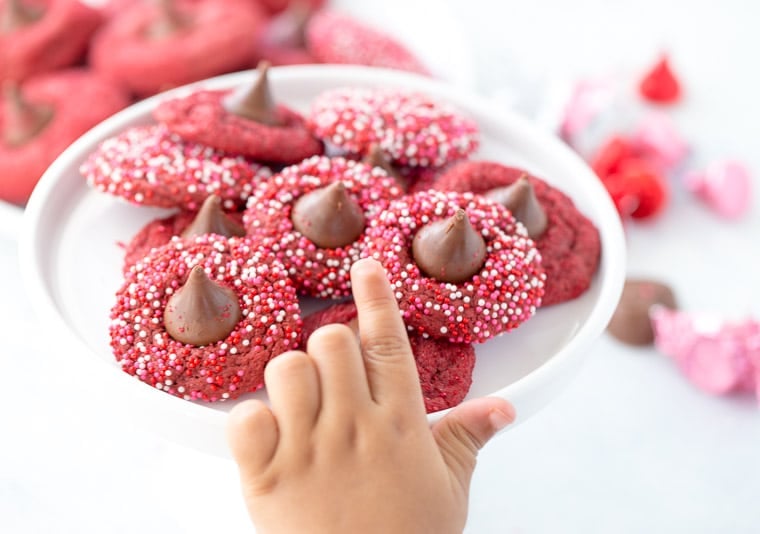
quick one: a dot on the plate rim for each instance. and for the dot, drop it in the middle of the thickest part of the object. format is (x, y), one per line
(612, 260)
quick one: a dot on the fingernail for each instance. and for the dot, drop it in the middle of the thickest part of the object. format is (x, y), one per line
(367, 265)
(500, 419)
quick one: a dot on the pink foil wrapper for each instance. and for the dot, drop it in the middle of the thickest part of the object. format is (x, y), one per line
(718, 357)
(659, 141)
(589, 99)
(725, 186)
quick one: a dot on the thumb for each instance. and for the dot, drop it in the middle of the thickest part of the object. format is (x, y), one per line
(466, 429)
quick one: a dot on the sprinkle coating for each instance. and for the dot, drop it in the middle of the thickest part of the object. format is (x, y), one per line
(271, 322)
(333, 37)
(150, 165)
(411, 128)
(570, 246)
(159, 232)
(201, 117)
(316, 271)
(505, 293)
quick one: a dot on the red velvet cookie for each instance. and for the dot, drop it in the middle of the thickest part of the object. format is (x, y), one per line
(245, 121)
(314, 214)
(253, 317)
(445, 369)
(44, 117)
(157, 233)
(44, 35)
(569, 245)
(150, 48)
(420, 178)
(150, 165)
(461, 267)
(333, 37)
(411, 128)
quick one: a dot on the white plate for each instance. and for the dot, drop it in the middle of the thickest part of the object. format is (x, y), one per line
(71, 261)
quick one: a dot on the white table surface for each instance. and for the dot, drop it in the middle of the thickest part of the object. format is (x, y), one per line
(630, 446)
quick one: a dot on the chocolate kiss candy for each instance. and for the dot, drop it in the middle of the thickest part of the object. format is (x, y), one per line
(201, 311)
(211, 219)
(168, 22)
(376, 158)
(329, 216)
(254, 102)
(449, 250)
(23, 121)
(520, 199)
(288, 28)
(17, 15)
(631, 323)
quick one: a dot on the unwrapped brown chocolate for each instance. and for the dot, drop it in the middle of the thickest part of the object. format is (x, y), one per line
(449, 250)
(254, 101)
(520, 199)
(631, 323)
(201, 312)
(329, 216)
(211, 219)
(23, 120)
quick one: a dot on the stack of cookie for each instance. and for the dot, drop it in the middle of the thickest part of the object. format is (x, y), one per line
(265, 218)
(65, 66)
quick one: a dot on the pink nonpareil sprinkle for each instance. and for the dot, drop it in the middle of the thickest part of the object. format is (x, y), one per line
(719, 357)
(725, 186)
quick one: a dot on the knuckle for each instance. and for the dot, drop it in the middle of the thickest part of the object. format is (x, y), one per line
(379, 304)
(386, 346)
(260, 486)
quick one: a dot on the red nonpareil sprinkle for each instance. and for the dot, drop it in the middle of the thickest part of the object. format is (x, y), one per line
(660, 84)
(410, 128)
(151, 166)
(270, 323)
(316, 271)
(504, 293)
(570, 246)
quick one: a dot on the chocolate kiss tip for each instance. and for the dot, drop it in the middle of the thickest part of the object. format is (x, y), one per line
(201, 311)
(254, 101)
(329, 216)
(288, 28)
(23, 121)
(15, 14)
(520, 198)
(449, 250)
(169, 20)
(211, 219)
(376, 158)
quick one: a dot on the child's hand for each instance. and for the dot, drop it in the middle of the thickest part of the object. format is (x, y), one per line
(346, 446)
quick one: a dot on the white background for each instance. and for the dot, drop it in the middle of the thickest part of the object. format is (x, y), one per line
(630, 446)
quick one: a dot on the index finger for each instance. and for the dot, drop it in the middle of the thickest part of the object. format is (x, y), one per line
(391, 370)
